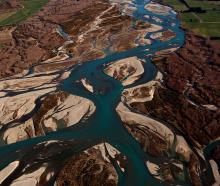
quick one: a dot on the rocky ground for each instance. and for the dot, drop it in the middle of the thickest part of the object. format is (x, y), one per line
(106, 30)
(189, 97)
(33, 115)
(40, 37)
(35, 39)
(187, 101)
(10, 5)
(159, 140)
(53, 161)
(127, 70)
(161, 143)
(92, 167)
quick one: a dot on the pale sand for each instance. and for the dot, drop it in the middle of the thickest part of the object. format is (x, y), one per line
(153, 169)
(65, 75)
(4, 173)
(2, 94)
(135, 94)
(182, 148)
(14, 107)
(108, 150)
(30, 179)
(160, 35)
(215, 172)
(57, 58)
(128, 78)
(49, 176)
(19, 75)
(144, 41)
(72, 110)
(147, 16)
(154, 126)
(159, 9)
(26, 83)
(142, 34)
(18, 133)
(157, 19)
(127, 6)
(159, 129)
(156, 35)
(166, 51)
(154, 28)
(210, 107)
(86, 84)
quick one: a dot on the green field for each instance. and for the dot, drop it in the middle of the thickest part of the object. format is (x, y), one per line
(206, 24)
(177, 5)
(30, 7)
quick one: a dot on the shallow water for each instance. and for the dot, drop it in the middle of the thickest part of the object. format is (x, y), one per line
(105, 124)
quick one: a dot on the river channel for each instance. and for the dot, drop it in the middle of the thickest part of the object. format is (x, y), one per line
(105, 124)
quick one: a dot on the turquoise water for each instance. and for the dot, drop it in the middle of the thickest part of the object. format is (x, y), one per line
(104, 124)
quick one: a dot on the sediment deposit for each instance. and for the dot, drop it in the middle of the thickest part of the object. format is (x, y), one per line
(126, 70)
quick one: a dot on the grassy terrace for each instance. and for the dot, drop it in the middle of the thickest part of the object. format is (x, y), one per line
(206, 23)
(176, 4)
(30, 7)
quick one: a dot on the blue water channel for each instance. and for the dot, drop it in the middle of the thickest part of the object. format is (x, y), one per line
(105, 124)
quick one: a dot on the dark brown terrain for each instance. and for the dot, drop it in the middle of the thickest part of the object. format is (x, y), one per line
(9, 5)
(189, 98)
(188, 102)
(87, 169)
(37, 38)
(33, 40)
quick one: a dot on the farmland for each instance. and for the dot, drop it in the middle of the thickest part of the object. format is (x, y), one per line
(29, 7)
(200, 16)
